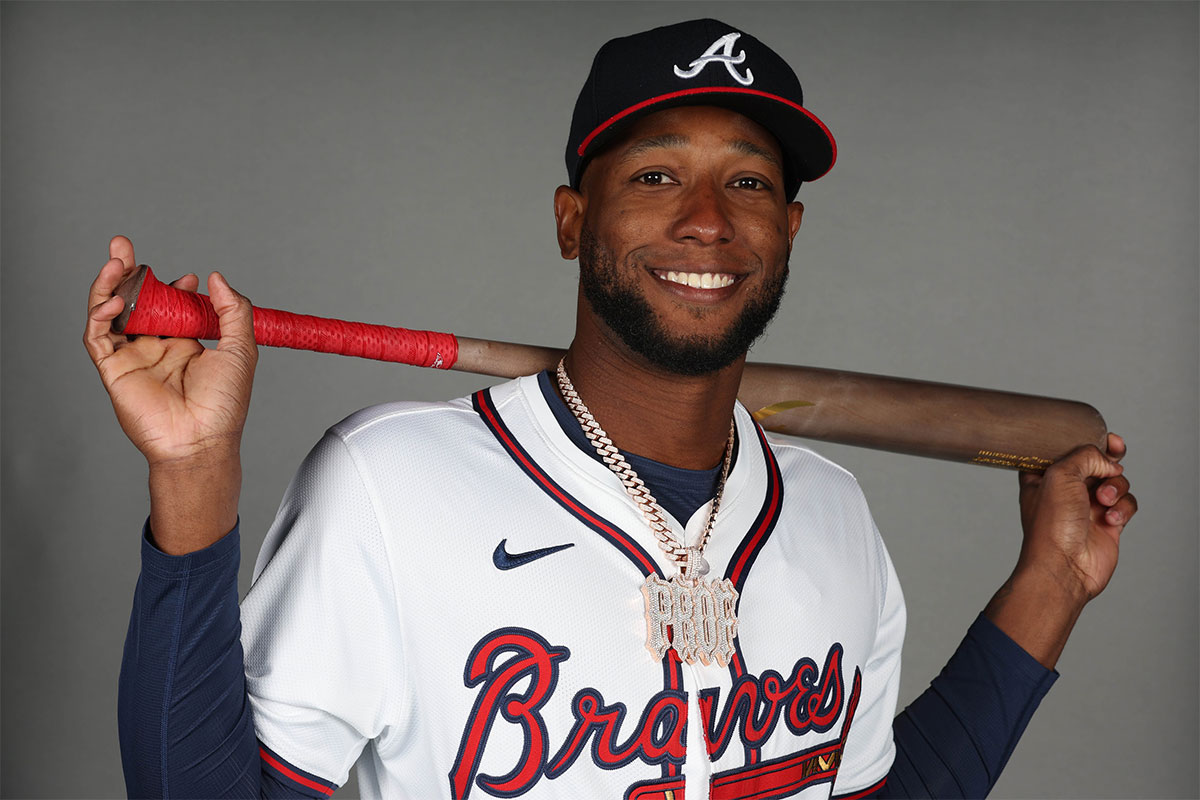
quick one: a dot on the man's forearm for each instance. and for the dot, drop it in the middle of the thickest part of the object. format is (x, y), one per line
(194, 503)
(1037, 610)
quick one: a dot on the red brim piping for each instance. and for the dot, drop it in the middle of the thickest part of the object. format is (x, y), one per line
(712, 90)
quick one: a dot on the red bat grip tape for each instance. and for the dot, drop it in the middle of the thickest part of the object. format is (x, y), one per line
(161, 310)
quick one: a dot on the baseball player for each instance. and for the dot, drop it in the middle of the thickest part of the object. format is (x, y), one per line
(599, 581)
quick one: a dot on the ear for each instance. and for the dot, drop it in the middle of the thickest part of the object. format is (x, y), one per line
(569, 206)
(795, 212)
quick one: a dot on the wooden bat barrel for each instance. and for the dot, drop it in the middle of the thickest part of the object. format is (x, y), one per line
(924, 418)
(937, 420)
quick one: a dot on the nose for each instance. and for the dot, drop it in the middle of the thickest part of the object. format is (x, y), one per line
(703, 216)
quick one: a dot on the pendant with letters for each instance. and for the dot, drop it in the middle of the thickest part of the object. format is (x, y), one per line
(694, 617)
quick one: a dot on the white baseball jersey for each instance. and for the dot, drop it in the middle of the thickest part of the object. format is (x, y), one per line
(457, 587)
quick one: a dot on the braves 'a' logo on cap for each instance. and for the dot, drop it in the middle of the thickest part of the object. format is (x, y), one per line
(721, 50)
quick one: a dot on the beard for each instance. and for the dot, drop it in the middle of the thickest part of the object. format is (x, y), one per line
(625, 310)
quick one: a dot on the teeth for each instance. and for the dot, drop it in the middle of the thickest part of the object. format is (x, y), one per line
(699, 280)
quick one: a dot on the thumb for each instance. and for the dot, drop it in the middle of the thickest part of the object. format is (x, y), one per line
(120, 247)
(236, 318)
(1086, 462)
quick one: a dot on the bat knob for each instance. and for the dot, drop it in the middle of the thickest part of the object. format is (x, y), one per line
(129, 290)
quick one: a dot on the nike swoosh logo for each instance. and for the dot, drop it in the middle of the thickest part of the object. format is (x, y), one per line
(506, 560)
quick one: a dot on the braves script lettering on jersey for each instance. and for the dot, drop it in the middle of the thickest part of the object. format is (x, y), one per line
(379, 617)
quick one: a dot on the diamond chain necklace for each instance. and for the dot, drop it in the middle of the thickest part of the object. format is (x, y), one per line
(696, 618)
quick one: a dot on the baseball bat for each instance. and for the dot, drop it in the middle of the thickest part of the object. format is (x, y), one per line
(936, 420)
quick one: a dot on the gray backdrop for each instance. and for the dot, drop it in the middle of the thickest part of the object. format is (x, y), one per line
(1015, 206)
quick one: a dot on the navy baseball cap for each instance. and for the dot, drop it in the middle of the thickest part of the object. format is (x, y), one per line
(700, 62)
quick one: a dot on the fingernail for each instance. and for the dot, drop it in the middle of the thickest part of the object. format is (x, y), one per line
(1114, 517)
(1110, 493)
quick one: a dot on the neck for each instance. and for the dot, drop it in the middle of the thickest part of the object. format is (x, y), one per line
(680, 420)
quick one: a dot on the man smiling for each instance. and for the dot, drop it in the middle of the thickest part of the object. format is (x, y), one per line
(727, 258)
(601, 582)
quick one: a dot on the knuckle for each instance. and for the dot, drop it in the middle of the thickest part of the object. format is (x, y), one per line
(1062, 467)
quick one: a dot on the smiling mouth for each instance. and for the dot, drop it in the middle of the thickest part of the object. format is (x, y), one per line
(698, 280)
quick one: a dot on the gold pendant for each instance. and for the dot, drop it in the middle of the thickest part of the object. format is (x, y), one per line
(696, 618)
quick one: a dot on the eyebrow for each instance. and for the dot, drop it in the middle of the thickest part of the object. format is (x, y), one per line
(674, 140)
(661, 142)
(751, 149)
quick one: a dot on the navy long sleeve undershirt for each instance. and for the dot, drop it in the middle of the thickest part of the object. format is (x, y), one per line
(186, 728)
(183, 716)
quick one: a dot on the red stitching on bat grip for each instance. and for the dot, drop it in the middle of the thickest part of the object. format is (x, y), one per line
(164, 311)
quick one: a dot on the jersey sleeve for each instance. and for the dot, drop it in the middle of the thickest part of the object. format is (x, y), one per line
(324, 658)
(869, 748)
